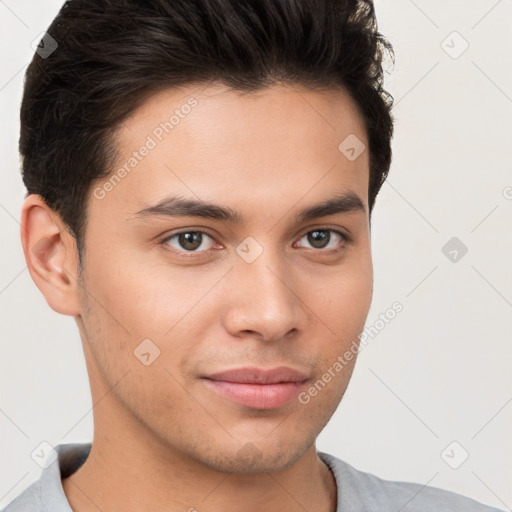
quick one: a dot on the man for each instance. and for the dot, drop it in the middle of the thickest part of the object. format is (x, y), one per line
(201, 177)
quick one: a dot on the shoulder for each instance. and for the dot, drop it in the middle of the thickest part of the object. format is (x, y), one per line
(358, 490)
(28, 501)
(46, 494)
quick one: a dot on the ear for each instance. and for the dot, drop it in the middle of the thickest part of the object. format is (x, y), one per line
(51, 255)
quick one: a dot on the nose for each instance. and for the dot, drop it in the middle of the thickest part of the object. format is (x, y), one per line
(264, 299)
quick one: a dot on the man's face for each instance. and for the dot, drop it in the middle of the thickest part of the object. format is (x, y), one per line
(161, 313)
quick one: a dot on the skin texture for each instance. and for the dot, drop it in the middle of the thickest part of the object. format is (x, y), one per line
(161, 436)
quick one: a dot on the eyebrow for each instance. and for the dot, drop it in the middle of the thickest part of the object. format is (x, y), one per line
(347, 202)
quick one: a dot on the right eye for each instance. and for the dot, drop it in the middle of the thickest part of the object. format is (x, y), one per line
(188, 241)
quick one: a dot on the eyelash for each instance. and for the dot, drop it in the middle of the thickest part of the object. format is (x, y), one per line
(190, 254)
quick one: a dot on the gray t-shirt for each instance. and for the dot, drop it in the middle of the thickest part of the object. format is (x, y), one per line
(357, 491)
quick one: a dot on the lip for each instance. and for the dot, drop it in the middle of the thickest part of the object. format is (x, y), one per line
(257, 388)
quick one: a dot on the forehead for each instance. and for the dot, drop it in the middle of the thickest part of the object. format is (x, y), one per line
(214, 143)
(214, 109)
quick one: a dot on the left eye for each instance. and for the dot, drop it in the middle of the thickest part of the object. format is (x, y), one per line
(320, 238)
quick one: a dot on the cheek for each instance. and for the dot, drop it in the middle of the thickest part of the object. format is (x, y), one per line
(139, 309)
(344, 299)
(144, 298)
(342, 305)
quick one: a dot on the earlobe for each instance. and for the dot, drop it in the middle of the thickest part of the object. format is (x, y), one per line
(51, 255)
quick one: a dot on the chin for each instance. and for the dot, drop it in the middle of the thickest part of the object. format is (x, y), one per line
(250, 459)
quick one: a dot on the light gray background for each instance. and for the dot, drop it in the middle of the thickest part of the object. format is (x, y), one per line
(440, 371)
